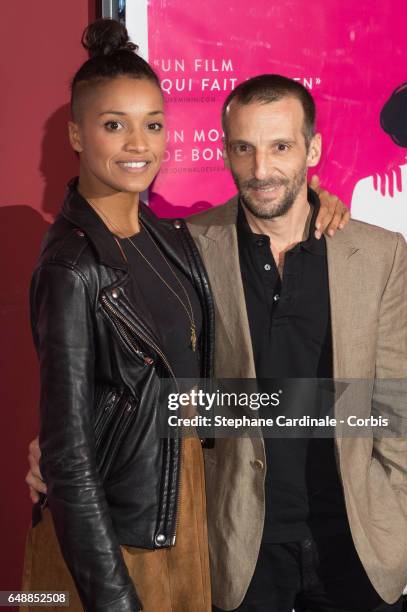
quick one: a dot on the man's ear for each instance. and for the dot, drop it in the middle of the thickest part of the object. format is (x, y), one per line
(314, 151)
(75, 136)
(225, 153)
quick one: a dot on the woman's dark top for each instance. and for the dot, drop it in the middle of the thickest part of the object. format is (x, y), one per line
(160, 308)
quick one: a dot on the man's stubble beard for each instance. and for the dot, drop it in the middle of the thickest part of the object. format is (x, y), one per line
(279, 207)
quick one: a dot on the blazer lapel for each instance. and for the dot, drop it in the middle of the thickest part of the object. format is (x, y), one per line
(344, 283)
(219, 250)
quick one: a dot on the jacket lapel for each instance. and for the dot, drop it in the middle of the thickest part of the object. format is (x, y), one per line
(344, 276)
(218, 245)
(344, 284)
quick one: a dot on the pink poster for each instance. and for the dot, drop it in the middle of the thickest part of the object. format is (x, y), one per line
(351, 56)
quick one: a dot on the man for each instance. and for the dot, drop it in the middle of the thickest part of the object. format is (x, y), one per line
(288, 306)
(295, 307)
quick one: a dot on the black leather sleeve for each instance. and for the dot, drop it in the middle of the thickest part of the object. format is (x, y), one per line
(62, 324)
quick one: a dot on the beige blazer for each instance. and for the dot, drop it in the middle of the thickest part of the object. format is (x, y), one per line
(368, 292)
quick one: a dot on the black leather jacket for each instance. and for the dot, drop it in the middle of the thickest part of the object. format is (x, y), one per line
(112, 480)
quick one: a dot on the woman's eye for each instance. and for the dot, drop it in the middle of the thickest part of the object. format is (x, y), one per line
(113, 126)
(155, 127)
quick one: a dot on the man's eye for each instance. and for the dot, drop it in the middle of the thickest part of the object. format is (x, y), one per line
(241, 148)
(156, 126)
(113, 126)
(282, 146)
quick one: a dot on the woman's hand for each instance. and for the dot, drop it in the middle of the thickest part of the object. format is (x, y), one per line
(34, 479)
(333, 214)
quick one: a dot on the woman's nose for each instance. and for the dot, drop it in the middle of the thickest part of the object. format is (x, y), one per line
(136, 142)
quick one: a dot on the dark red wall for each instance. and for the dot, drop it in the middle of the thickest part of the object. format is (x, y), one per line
(40, 51)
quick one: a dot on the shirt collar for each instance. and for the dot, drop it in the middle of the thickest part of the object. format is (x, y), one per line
(311, 244)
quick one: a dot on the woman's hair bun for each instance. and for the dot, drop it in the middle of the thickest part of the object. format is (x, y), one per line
(106, 37)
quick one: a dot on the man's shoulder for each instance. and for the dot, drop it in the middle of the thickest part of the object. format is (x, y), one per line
(221, 214)
(365, 234)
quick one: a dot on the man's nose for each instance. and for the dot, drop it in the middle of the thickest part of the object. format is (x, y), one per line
(261, 168)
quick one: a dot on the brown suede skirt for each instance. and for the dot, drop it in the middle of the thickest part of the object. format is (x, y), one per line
(167, 580)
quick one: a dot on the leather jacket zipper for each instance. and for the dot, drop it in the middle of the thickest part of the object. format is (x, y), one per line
(124, 322)
(137, 332)
(126, 411)
(105, 416)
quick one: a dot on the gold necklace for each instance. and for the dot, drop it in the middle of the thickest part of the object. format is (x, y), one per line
(189, 311)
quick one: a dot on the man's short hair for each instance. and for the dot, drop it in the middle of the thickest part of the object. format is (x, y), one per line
(267, 88)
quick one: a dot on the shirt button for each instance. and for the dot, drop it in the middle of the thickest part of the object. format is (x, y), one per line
(267, 267)
(259, 242)
(276, 297)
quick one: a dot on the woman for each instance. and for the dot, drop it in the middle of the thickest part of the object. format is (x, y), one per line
(119, 301)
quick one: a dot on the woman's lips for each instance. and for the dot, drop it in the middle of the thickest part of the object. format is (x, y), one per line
(134, 167)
